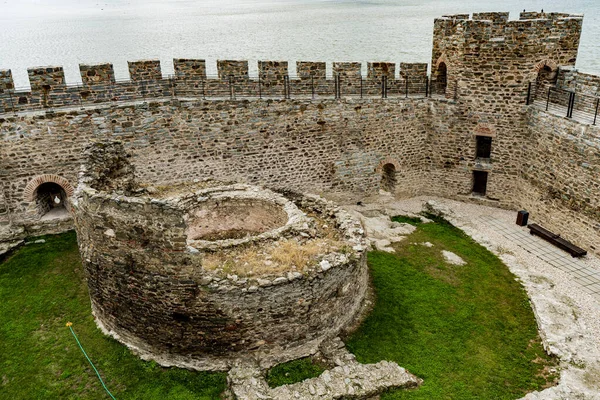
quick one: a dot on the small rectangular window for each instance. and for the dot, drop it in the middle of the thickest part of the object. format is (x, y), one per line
(484, 146)
(480, 182)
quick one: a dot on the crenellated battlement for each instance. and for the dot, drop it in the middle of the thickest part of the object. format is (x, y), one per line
(496, 26)
(50, 90)
(333, 133)
(489, 50)
(466, 46)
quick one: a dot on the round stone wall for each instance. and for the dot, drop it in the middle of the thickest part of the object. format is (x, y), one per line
(158, 289)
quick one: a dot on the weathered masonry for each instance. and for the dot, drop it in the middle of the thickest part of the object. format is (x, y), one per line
(179, 274)
(467, 131)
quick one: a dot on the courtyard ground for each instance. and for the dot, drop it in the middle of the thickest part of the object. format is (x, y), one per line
(429, 317)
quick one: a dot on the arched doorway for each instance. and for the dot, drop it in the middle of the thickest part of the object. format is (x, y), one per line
(441, 78)
(50, 201)
(388, 178)
(547, 74)
(48, 196)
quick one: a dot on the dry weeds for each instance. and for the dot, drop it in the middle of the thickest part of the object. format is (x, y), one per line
(295, 254)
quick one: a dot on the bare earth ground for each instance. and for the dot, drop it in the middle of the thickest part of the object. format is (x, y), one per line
(568, 314)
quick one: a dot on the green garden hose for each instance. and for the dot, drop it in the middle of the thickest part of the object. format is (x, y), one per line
(69, 324)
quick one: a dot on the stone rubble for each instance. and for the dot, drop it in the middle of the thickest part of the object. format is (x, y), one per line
(452, 258)
(381, 231)
(347, 380)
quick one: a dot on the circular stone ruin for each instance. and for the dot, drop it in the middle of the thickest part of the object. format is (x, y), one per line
(199, 275)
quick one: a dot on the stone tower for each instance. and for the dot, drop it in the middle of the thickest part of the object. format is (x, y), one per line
(486, 64)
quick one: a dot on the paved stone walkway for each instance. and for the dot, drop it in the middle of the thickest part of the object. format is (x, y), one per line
(585, 271)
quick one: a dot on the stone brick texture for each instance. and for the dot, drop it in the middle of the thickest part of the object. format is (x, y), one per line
(44, 81)
(6, 80)
(237, 69)
(189, 68)
(336, 146)
(312, 78)
(6, 84)
(350, 76)
(309, 69)
(97, 74)
(144, 70)
(272, 75)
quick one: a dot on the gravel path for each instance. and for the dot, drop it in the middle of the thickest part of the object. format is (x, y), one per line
(564, 302)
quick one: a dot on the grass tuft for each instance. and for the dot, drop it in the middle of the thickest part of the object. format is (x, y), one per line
(293, 372)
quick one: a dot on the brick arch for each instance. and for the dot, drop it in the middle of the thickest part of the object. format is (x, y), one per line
(485, 129)
(546, 63)
(29, 192)
(442, 59)
(387, 160)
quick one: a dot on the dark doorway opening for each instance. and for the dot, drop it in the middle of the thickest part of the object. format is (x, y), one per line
(545, 79)
(480, 179)
(388, 178)
(50, 199)
(441, 78)
(484, 147)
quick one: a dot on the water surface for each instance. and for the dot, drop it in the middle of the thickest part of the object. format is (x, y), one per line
(69, 32)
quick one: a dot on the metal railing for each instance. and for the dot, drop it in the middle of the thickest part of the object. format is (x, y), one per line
(214, 87)
(578, 106)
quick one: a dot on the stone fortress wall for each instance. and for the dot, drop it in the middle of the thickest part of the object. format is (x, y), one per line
(347, 145)
(49, 88)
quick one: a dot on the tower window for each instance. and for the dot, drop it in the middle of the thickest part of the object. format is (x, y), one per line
(484, 147)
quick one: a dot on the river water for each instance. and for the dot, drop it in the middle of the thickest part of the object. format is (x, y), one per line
(69, 32)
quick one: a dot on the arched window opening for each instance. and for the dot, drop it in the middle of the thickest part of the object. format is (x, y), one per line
(50, 199)
(545, 79)
(388, 178)
(441, 78)
(546, 75)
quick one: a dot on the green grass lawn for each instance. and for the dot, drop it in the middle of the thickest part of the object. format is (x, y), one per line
(42, 288)
(468, 331)
(294, 371)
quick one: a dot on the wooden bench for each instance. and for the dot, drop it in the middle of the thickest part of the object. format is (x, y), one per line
(556, 240)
